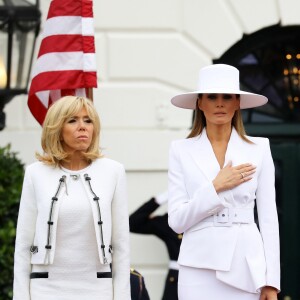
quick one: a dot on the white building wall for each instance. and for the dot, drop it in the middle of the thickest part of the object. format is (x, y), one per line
(147, 51)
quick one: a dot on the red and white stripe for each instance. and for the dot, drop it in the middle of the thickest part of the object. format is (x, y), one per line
(66, 63)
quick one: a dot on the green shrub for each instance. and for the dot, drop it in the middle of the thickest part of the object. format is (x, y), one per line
(11, 179)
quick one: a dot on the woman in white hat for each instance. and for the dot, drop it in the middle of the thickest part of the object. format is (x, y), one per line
(215, 177)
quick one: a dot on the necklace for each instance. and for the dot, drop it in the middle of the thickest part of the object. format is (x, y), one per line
(74, 176)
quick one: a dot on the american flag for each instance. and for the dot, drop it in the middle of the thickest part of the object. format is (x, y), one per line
(66, 62)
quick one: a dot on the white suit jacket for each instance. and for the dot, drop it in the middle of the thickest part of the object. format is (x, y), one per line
(40, 185)
(242, 255)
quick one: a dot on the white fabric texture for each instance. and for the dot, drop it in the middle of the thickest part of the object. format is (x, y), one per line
(202, 284)
(73, 272)
(75, 222)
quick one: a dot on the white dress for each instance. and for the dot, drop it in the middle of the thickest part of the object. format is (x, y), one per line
(73, 275)
(202, 284)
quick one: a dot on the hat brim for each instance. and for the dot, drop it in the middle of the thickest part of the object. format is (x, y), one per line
(247, 100)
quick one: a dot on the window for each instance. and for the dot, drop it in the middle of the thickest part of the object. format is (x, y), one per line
(269, 64)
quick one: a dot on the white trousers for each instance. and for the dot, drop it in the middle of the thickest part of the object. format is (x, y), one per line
(202, 284)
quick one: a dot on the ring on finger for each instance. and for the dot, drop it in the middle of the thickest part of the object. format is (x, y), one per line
(242, 174)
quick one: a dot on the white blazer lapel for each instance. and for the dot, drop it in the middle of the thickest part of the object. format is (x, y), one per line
(237, 150)
(238, 153)
(202, 153)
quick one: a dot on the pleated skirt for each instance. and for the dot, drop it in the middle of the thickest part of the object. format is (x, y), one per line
(202, 284)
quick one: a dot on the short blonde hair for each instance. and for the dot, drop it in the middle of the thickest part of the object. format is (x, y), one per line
(200, 122)
(57, 114)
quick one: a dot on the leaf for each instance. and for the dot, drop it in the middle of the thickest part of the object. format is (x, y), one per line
(11, 179)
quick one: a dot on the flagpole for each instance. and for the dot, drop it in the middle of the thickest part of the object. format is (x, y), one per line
(89, 92)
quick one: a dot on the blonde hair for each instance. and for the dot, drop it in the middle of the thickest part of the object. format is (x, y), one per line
(57, 114)
(200, 122)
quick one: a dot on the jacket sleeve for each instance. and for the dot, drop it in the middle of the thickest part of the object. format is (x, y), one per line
(139, 220)
(186, 210)
(120, 240)
(24, 240)
(267, 216)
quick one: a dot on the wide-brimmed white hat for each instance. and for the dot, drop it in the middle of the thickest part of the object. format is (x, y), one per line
(219, 79)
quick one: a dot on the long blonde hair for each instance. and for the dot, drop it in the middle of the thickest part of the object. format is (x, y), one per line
(200, 122)
(57, 114)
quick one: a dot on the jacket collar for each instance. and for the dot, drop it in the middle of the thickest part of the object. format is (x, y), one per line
(204, 156)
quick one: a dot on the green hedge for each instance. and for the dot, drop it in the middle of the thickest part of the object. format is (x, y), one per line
(11, 179)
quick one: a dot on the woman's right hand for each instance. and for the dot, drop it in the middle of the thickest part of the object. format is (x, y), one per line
(230, 177)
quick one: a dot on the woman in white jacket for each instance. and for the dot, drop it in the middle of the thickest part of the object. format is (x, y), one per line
(72, 238)
(215, 177)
